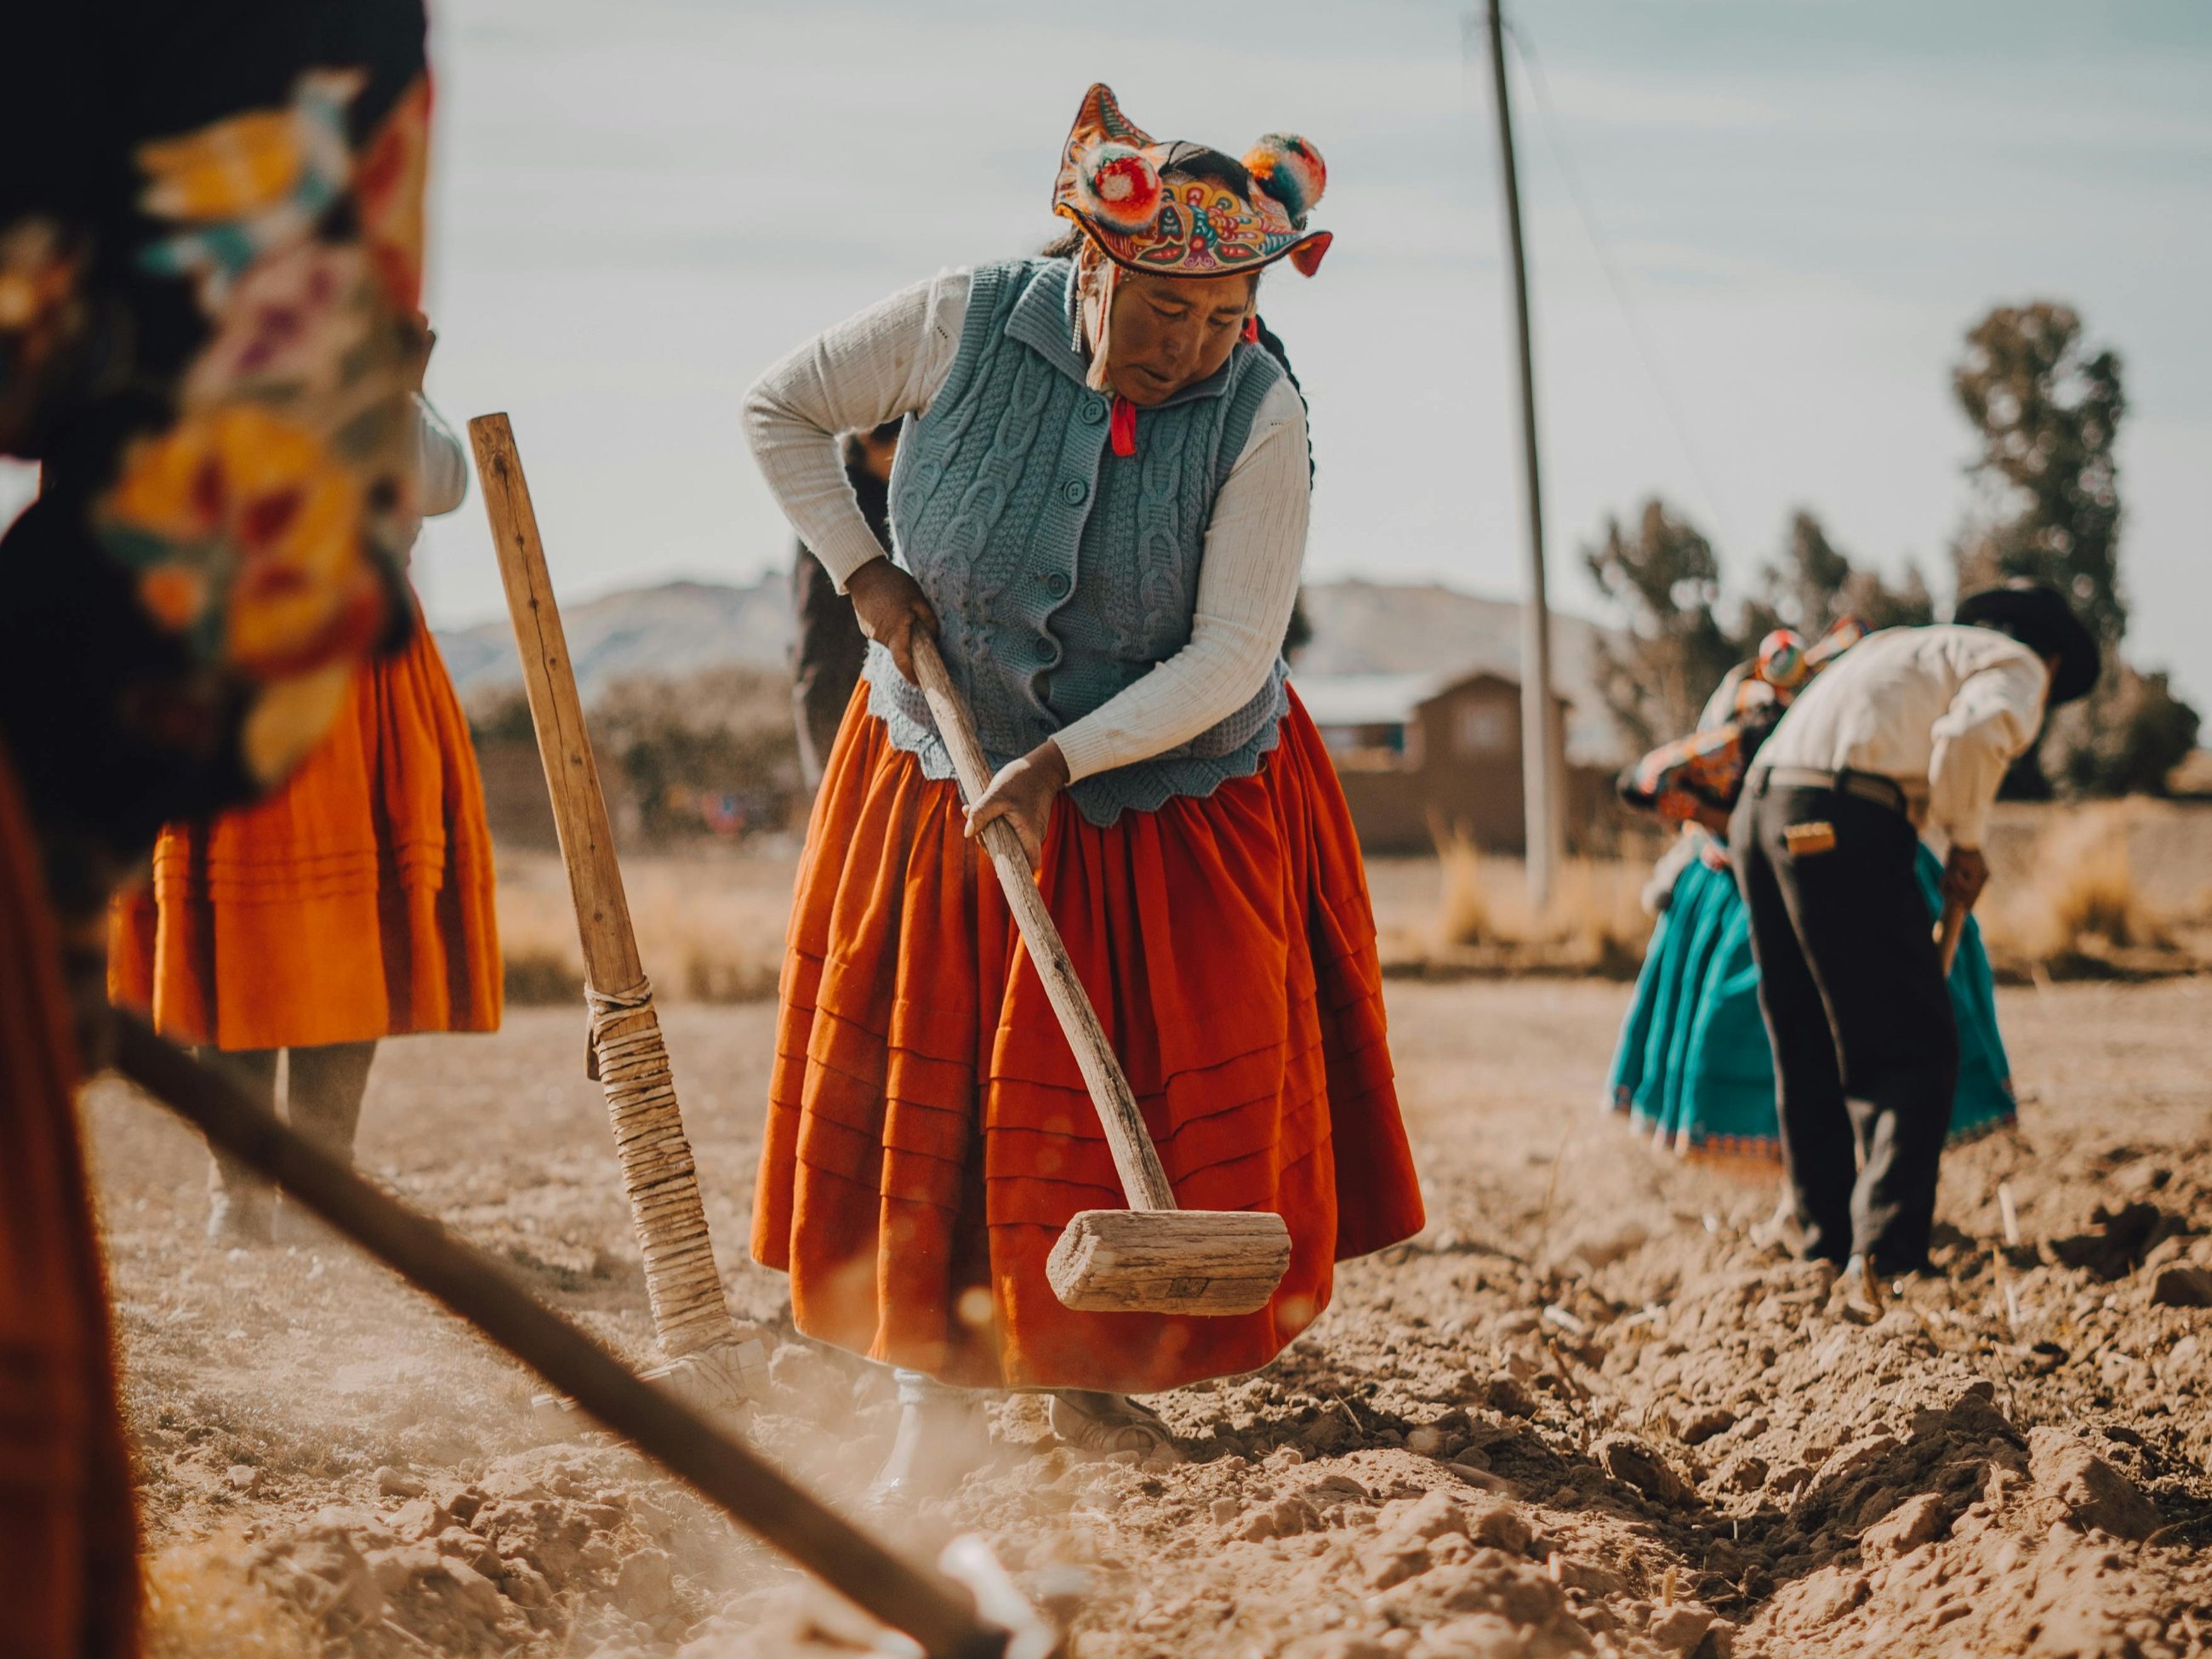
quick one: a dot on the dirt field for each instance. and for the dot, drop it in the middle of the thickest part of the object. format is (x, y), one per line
(1588, 1411)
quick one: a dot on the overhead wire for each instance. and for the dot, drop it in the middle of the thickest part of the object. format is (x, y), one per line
(1677, 420)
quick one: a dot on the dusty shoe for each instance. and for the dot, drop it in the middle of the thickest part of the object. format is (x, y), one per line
(1111, 1423)
(942, 1436)
(1859, 1294)
(1781, 1230)
(240, 1220)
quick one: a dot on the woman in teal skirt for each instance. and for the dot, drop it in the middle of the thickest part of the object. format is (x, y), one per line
(1693, 1069)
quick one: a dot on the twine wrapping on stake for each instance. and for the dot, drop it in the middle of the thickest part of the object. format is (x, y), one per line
(658, 1175)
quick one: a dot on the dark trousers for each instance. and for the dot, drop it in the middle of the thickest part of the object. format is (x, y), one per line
(1866, 1048)
(323, 1091)
(826, 652)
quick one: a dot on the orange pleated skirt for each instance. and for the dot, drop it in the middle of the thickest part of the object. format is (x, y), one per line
(928, 1134)
(355, 903)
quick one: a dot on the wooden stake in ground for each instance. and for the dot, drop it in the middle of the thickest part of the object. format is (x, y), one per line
(714, 1362)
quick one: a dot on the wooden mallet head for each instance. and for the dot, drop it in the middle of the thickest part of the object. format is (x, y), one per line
(1169, 1262)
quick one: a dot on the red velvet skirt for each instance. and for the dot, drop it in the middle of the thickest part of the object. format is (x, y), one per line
(928, 1134)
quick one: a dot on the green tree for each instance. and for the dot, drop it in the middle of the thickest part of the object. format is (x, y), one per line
(1813, 586)
(1655, 676)
(2047, 408)
(2124, 738)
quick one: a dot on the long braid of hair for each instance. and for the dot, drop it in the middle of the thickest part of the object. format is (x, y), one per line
(1272, 343)
(1300, 630)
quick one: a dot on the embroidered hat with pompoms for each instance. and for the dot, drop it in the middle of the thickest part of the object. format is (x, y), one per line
(1182, 209)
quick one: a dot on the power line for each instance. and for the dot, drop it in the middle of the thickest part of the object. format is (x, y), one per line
(1677, 421)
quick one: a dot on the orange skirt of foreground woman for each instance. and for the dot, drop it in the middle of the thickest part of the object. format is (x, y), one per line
(928, 1134)
(355, 903)
(68, 1533)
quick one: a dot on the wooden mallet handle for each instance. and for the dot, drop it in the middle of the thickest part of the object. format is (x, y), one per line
(1142, 1177)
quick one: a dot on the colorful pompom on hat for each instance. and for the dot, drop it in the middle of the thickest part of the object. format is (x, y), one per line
(1782, 659)
(1182, 209)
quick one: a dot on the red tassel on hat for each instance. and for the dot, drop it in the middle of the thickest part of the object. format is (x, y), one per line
(1252, 329)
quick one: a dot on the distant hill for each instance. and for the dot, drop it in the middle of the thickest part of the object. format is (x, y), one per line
(665, 632)
(1359, 628)
(1391, 628)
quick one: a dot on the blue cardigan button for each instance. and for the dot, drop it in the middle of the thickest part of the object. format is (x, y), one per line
(1093, 410)
(1076, 491)
(1057, 584)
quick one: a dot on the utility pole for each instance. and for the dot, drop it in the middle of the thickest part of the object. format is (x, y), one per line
(1541, 768)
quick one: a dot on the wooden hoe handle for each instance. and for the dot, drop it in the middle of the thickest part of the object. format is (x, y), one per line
(1143, 1180)
(1949, 931)
(938, 1614)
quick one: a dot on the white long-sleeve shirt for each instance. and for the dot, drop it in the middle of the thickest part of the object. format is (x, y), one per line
(442, 467)
(1942, 711)
(892, 360)
(443, 461)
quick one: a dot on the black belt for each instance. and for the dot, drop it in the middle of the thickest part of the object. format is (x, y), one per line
(1867, 785)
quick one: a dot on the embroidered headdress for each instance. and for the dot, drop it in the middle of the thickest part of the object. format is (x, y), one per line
(1182, 209)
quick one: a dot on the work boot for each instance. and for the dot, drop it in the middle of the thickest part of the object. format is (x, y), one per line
(941, 1437)
(1112, 1423)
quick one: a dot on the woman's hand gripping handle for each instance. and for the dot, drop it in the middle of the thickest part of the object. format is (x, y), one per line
(893, 612)
(1018, 802)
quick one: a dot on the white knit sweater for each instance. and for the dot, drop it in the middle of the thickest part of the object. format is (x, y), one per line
(892, 359)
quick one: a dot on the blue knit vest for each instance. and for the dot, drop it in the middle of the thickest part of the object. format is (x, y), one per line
(1060, 572)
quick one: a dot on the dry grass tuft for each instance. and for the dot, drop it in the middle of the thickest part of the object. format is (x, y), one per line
(2080, 902)
(702, 939)
(1598, 907)
(711, 944)
(201, 1604)
(537, 945)
(1595, 919)
(1463, 906)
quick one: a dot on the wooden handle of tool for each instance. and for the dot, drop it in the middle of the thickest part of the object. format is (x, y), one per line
(936, 1612)
(1143, 1180)
(572, 775)
(1949, 931)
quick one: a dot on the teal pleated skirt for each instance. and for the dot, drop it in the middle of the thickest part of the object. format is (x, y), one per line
(1694, 1070)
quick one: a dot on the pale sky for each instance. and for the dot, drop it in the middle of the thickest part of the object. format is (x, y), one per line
(639, 206)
